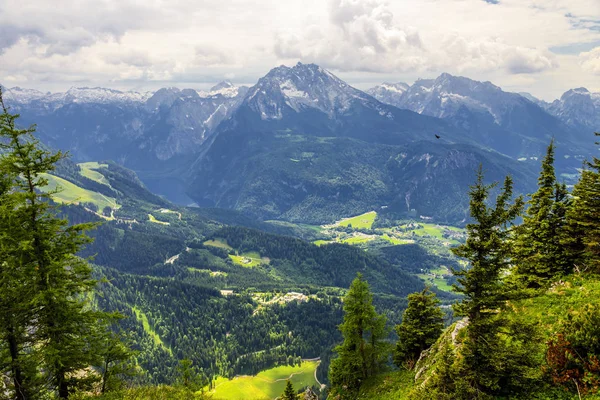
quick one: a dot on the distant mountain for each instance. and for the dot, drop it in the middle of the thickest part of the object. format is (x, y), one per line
(507, 122)
(151, 133)
(305, 146)
(389, 93)
(578, 108)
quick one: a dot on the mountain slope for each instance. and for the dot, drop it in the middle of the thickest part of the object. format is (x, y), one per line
(503, 121)
(305, 146)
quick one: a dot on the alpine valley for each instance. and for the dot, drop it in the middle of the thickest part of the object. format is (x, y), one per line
(231, 222)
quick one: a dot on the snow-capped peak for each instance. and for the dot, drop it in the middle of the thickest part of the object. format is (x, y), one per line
(445, 95)
(224, 88)
(302, 86)
(78, 95)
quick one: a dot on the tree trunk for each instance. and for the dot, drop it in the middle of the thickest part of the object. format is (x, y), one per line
(17, 375)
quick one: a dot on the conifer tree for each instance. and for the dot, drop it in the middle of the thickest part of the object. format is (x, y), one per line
(583, 236)
(43, 248)
(17, 354)
(363, 350)
(422, 323)
(538, 252)
(289, 393)
(488, 252)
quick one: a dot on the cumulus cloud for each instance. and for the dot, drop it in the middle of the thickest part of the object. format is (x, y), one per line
(365, 36)
(361, 35)
(489, 53)
(104, 42)
(590, 61)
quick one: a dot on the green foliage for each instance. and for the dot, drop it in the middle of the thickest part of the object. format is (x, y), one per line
(573, 354)
(422, 324)
(289, 393)
(50, 332)
(363, 351)
(492, 358)
(538, 251)
(583, 238)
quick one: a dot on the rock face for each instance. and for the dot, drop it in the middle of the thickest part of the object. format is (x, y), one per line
(578, 108)
(449, 341)
(514, 124)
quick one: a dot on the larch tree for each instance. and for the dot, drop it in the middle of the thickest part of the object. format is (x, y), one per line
(54, 308)
(422, 323)
(488, 252)
(364, 350)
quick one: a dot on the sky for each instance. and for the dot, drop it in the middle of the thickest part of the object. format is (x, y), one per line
(543, 47)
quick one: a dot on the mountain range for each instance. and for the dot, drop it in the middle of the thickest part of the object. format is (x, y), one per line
(303, 145)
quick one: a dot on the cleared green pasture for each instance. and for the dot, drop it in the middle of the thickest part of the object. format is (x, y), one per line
(267, 384)
(363, 221)
(72, 194)
(218, 242)
(89, 170)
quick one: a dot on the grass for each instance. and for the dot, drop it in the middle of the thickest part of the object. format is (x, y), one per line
(73, 194)
(218, 242)
(267, 384)
(321, 242)
(89, 170)
(363, 221)
(395, 241)
(390, 385)
(248, 260)
(140, 316)
(357, 240)
(154, 220)
(440, 283)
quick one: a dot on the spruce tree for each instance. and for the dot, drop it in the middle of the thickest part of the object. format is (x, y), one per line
(17, 353)
(363, 350)
(583, 236)
(422, 323)
(60, 320)
(539, 254)
(488, 251)
(289, 393)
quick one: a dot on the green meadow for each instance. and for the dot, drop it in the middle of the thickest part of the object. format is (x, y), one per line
(267, 384)
(69, 193)
(89, 170)
(363, 221)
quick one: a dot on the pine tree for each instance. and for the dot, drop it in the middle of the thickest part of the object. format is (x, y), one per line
(583, 236)
(538, 252)
(363, 350)
(422, 323)
(60, 320)
(17, 354)
(488, 252)
(289, 393)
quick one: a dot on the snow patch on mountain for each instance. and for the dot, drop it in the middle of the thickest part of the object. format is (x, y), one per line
(304, 86)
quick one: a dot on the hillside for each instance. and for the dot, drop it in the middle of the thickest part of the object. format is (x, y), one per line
(549, 313)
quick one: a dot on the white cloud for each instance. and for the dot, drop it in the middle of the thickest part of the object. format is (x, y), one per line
(590, 61)
(124, 43)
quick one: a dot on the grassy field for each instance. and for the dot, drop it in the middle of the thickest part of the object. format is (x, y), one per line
(73, 194)
(249, 260)
(140, 316)
(357, 240)
(89, 170)
(152, 219)
(218, 242)
(364, 221)
(267, 384)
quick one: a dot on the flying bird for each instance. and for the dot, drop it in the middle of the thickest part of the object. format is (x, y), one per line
(437, 136)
